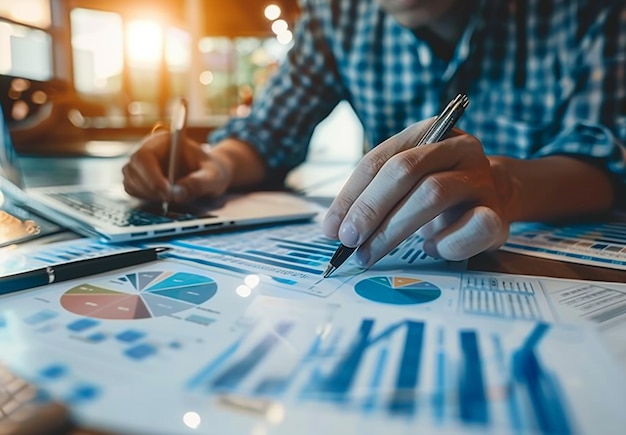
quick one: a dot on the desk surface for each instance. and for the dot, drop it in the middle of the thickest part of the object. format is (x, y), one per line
(318, 180)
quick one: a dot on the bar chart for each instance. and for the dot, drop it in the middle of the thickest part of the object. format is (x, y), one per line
(443, 373)
(503, 296)
(293, 257)
(596, 243)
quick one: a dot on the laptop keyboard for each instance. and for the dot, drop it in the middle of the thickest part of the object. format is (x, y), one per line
(115, 212)
(27, 410)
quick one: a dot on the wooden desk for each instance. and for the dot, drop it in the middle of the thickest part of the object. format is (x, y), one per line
(509, 262)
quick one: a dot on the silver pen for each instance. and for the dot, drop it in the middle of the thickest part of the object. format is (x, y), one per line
(177, 124)
(442, 125)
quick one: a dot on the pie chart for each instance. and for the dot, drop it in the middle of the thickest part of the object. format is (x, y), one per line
(139, 295)
(397, 290)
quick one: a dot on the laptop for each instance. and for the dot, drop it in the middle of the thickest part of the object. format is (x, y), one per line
(114, 216)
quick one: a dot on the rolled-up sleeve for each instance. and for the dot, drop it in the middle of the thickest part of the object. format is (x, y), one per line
(301, 93)
(594, 112)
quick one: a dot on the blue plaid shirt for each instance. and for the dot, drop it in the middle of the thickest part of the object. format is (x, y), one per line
(544, 77)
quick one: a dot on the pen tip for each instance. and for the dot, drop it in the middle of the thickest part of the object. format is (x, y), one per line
(329, 270)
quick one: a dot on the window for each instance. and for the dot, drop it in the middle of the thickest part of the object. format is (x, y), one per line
(25, 47)
(122, 62)
(35, 13)
(234, 70)
(129, 65)
(97, 51)
(178, 60)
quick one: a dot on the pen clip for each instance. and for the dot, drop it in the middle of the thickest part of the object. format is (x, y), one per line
(50, 272)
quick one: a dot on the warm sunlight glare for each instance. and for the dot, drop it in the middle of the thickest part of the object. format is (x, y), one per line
(192, 419)
(272, 12)
(279, 26)
(285, 37)
(144, 42)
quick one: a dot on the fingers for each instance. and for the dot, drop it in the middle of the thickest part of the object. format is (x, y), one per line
(198, 173)
(208, 181)
(365, 172)
(209, 176)
(444, 220)
(439, 194)
(143, 174)
(478, 230)
(426, 175)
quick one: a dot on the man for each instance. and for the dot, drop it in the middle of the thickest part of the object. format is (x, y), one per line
(546, 125)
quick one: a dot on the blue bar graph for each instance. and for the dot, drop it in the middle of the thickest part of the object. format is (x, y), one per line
(541, 387)
(97, 337)
(141, 351)
(83, 393)
(321, 253)
(328, 242)
(286, 258)
(82, 324)
(595, 243)
(54, 371)
(606, 235)
(275, 386)
(238, 371)
(340, 380)
(512, 403)
(224, 266)
(272, 386)
(41, 316)
(404, 369)
(259, 259)
(201, 379)
(308, 256)
(438, 401)
(472, 397)
(324, 247)
(376, 380)
(130, 335)
(403, 401)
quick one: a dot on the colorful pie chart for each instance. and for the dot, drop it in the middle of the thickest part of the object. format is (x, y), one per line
(397, 290)
(140, 295)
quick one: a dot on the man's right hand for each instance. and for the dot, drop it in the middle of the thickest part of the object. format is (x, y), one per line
(201, 171)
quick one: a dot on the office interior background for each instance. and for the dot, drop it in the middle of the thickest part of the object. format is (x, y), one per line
(79, 76)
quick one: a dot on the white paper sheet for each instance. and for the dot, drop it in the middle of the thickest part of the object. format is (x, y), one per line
(597, 244)
(143, 350)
